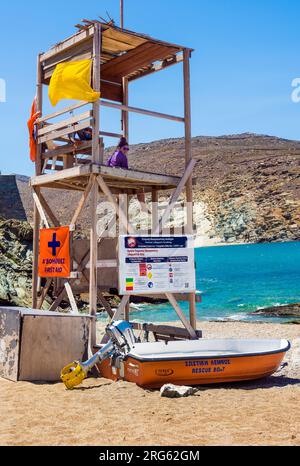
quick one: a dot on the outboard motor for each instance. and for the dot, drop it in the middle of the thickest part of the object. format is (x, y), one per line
(121, 341)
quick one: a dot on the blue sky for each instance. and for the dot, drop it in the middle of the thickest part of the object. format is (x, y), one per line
(246, 56)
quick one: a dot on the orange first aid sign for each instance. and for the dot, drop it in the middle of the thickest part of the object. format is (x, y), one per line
(54, 256)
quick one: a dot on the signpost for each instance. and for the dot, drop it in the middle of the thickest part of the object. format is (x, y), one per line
(154, 265)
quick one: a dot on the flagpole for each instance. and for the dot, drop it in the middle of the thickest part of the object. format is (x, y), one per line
(122, 14)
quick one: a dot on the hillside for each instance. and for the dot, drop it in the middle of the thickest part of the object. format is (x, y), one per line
(247, 187)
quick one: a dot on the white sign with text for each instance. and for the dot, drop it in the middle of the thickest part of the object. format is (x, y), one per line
(156, 264)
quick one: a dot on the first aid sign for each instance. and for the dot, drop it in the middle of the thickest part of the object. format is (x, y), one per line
(54, 254)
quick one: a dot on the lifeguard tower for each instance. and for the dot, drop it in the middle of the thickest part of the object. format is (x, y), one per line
(119, 57)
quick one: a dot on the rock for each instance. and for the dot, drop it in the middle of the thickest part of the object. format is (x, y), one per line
(175, 391)
(15, 263)
(287, 310)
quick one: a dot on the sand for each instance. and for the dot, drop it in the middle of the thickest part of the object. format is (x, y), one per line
(101, 412)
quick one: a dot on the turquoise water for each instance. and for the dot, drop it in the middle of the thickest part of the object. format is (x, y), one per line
(235, 280)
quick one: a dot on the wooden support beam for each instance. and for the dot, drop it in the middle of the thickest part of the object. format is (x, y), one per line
(69, 173)
(65, 123)
(63, 132)
(62, 291)
(96, 155)
(105, 304)
(181, 316)
(69, 291)
(69, 109)
(40, 208)
(93, 260)
(165, 332)
(157, 67)
(188, 158)
(122, 216)
(125, 115)
(67, 149)
(121, 308)
(82, 202)
(177, 192)
(178, 296)
(68, 43)
(142, 111)
(36, 240)
(44, 293)
(48, 210)
(154, 200)
(39, 108)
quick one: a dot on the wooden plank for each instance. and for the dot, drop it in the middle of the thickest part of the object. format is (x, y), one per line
(127, 38)
(36, 240)
(71, 298)
(175, 195)
(70, 42)
(110, 175)
(63, 132)
(177, 296)
(67, 174)
(82, 202)
(39, 108)
(165, 330)
(69, 121)
(113, 68)
(66, 149)
(145, 55)
(137, 176)
(121, 308)
(181, 316)
(96, 157)
(188, 158)
(142, 111)
(122, 216)
(93, 260)
(105, 304)
(40, 209)
(111, 91)
(125, 115)
(154, 214)
(62, 290)
(84, 49)
(114, 46)
(155, 68)
(110, 135)
(50, 116)
(48, 210)
(44, 292)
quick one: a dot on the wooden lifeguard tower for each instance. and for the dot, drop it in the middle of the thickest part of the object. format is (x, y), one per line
(119, 57)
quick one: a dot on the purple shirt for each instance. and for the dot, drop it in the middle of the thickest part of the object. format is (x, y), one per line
(118, 159)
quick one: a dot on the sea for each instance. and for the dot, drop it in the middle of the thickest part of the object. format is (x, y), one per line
(234, 281)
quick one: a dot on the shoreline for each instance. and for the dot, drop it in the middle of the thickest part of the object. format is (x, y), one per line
(210, 243)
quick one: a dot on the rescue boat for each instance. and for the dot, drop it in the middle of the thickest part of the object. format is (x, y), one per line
(196, 362)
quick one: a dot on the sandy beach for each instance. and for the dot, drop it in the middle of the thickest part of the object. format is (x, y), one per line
(101, 412)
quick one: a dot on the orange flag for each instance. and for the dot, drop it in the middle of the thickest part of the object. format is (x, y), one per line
(31, 128)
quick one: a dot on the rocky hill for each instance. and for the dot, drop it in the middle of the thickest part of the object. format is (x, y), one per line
(247, 187)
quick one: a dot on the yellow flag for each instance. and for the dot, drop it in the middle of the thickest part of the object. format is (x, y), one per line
(71, 80)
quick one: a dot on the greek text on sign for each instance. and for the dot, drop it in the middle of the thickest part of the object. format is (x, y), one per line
(54, 253)
(162, 264)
